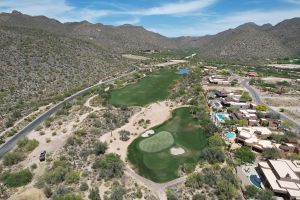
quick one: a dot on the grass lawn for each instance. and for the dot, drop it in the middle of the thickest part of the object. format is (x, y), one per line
(161, 166)
(152, 88)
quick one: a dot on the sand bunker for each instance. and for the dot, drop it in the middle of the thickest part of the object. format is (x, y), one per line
(148, 133)
(177, 151)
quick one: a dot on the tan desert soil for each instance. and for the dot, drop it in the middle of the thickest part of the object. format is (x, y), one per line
(29, 194)
(271, 79)
(134, 57)
(172, 62)
(157, 113)
(285, 66)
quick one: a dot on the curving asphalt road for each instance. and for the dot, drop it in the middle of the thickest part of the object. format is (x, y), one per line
(258, 100)
(9, 145)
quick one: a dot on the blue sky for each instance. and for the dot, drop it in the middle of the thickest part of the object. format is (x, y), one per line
(168, 17)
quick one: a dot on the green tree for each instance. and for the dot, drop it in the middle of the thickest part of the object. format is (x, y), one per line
(261, 107)
(216, 141)
(245, 154)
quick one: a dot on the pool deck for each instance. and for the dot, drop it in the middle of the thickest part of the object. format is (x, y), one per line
(245, 181)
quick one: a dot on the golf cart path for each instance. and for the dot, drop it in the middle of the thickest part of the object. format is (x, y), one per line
(156, 188)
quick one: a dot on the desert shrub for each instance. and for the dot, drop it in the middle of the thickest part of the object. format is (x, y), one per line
(16, 179)
(110, 166)
(213, 154)
(100, 148)
(27, 145)
(225, 189)
(228, 175)
(251, 191)
(84, 186)
(33, 166)
(72, 177)
(245, 154)
(47, 191)
(13, 158)
(80, 132)
(210, 177)
(117, 192)
(188, 167)
(57, 173)
(198, 197)
(38, 128)
(139, 193)
(245, 97)
(271, 153)
(261, 107)
(94, 194)
(92, 115)
(124, 135)
(69, 196)
(194, 180)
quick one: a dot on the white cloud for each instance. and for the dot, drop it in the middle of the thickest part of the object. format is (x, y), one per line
(181, 7)
(293, 1)
(133, 21)
(58, 9)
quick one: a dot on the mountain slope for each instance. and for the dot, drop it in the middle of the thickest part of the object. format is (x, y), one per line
(249, 42)
(39, 67)
(119, 39)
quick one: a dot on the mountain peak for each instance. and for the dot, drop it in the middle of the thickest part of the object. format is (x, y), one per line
(15, 12)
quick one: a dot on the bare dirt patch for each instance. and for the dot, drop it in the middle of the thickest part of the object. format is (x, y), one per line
(171, 62)
(29, 194)
(271, 79)
(285, 66)
(134, 57)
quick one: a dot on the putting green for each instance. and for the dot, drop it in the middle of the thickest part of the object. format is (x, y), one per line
(157, 143)
(151, 156)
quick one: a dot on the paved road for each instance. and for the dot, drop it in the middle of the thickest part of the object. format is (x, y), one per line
(257, 99)
(9, 145)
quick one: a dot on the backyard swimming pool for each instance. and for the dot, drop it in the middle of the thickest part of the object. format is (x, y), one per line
(183, 71)
(255, 181)
(217, 104)
(230, 135)
(220, 116)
